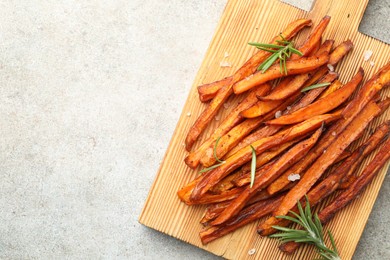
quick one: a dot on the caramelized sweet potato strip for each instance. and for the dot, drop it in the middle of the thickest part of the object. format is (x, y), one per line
(209, 90)
(313, 38)
(223, 94)
(244, 155)
(380, 80)
(209, 198)
(316, 170)
(323, 105)
(358, 186)
(293, 67)
(336, 85)
(249, 214)
(277, 168)
(192, 160)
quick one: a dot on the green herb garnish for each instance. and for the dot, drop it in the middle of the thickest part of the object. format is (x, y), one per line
(281, 52)
(253, 166)
(216, 158)
(319, 85)
(312, 232)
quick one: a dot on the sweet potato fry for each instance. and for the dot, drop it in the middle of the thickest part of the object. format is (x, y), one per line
(324, 161)
(323, 105)
(339, 52)
(247, 69)
(286, 160)
(225, 184)
(209, 90)
(336, 85)
(244, 155)
(261, 108)
(192, 160)
(358, 186)
(313, 38)
(235, 135)
(368, 91)
(249, 214)
(214, 198)
(293, 67)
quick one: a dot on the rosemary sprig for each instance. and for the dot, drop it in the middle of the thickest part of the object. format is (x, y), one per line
(319, 85)
(312, 232)
(253, 166)
(281, 52)
(216, 158)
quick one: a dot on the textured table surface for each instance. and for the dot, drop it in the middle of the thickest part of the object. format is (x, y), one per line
(90, 95)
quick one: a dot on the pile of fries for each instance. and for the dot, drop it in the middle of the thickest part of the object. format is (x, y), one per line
(301, 139)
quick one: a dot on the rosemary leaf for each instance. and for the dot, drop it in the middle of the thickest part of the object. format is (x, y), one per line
(319, 85)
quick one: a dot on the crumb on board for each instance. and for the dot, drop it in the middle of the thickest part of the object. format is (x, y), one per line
(367, 55)
(226, 54)
(225, 64)
(189, 114)
(252, 251)
(372, 64)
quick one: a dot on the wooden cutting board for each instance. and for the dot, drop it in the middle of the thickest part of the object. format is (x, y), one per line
(259, 20)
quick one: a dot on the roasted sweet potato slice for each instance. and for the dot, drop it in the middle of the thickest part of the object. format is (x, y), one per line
(209, 90)
(323, 105)
(249, 214)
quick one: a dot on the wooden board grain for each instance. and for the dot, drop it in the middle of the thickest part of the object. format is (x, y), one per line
(241, 22)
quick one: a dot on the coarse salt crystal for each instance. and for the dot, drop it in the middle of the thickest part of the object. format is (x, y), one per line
(225, 64)
(330, 67)
(325, 151)
(189, 114)
(294, 177)
(372, 64)
(278, 114)
(367, 55)
(226, 105)
(288, 108)
(252, 251)
(334, 133)
(209, 152)
(216, 118)
(226, 54)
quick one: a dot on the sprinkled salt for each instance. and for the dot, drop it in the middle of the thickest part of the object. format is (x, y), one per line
(372, 64)
(294, 177)
(189, 114)
(252, 251)
(288, 108)
(183, 144)
(325, 151)
(367, 55)
(225, 64)
(330, 67)
(216, 118)
(226, 105)
(249, 77)
(209, 152)
(334, 133)
(278, 114)
(226, 54)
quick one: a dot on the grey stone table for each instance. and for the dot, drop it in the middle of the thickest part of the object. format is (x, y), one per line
(90, 94)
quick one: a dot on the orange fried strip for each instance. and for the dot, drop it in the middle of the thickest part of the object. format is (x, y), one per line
(313, 38)
(193, 158)
(293, 67)
(277, 168)
(209, 90)
(249, 214)
(244, 155)
(223, 94)
(316, 170)
(323, 105)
